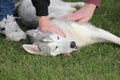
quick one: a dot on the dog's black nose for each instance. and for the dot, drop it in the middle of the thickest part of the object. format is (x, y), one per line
(73, 44)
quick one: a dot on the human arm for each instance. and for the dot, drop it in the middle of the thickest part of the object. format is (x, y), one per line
(85, 13)
(45, 25)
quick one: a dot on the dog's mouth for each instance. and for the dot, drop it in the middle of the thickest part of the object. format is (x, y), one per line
(76, 48)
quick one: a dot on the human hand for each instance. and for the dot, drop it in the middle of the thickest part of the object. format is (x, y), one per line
(46, 26)
(83, 15)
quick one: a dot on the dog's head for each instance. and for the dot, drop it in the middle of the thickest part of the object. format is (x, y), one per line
(49, 44)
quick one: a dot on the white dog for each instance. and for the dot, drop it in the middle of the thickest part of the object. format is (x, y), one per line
(77, 35)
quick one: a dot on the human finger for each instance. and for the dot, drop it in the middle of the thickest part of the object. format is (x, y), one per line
(83, 20)
(56, 31)
(73, 17)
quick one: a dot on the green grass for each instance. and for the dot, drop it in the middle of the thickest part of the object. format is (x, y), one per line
(93, 62)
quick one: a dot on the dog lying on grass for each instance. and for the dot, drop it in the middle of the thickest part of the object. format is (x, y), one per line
(77, 36)
(52, 44)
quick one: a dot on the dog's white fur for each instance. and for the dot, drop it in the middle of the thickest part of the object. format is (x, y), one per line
(82, 34)
(45, 43)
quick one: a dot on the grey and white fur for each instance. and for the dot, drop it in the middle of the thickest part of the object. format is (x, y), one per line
(52, 44)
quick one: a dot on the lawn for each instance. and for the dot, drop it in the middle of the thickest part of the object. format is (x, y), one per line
(93, 62)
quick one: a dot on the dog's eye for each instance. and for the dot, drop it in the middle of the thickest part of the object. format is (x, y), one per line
(58, 38)
(56, 47)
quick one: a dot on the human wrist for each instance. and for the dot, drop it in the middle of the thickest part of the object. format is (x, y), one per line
(43, 19)
(90, 5)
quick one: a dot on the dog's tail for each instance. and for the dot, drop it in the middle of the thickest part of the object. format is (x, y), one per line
(104, 36)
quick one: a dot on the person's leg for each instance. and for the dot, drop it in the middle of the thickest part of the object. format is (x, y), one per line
(8, 25)
(6, 8)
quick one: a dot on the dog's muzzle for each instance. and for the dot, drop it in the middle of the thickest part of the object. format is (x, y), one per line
(74, 46)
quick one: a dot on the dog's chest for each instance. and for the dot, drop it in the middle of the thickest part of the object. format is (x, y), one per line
(79, 33)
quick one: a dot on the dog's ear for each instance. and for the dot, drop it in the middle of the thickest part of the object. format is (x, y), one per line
(32, 49)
